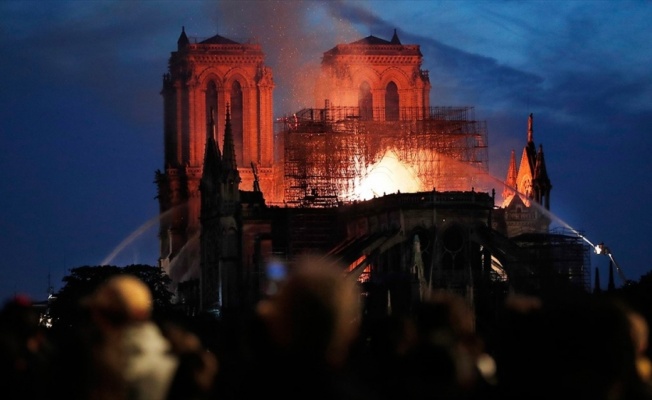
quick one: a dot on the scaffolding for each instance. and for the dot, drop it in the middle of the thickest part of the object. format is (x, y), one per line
(560, 253)
(329, 152)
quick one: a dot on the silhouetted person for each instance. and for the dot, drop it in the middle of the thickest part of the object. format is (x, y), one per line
(307, 329)
(197, 369)
(379, 354)
(640, 330)
(115, 350)
(25, 351)
(446, 359)
(579, 346)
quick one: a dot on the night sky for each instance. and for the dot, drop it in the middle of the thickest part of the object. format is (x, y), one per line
(81, 116)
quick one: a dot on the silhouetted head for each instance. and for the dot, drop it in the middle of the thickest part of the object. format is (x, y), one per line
(122, 299)
(316, 312)
(19, 315)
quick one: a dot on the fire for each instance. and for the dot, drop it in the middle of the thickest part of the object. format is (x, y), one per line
(388, 175)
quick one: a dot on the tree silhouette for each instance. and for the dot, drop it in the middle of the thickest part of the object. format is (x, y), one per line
(67, 305)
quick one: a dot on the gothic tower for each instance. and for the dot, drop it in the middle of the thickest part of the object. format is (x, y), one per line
(205, 75)
(378, 77)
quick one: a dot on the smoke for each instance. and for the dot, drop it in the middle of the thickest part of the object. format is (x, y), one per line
(294, 34)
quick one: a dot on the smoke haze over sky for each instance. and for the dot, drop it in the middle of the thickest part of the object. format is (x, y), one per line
(82, 116)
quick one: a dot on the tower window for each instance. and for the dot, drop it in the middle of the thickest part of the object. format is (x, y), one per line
(211, 102)
(391, 102)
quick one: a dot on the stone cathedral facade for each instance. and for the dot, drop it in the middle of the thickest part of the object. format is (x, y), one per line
(203, 78)
(220, 173)
(376, 76)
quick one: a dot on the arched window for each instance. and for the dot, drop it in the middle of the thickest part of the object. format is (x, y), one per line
(236, 121)
(453, 244)
(365, 102)
(391, 102)
(211, 102)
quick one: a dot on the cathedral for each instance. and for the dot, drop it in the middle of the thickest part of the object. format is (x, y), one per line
(373, 176)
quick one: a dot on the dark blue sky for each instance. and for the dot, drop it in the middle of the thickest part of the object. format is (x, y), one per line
(81, 115)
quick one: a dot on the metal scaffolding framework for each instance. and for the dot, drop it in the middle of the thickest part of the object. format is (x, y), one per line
(329, 152)
(561, 253)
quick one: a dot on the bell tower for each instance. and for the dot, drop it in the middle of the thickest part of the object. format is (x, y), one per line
(203, 77)
(380, 78)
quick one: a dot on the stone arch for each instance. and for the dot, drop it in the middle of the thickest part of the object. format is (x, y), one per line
(396, 75)
(204, 79)
(453, 239)
(210, 74)
(245, 121)
(239, 75)
(370, 76)
(395, 85)
(365, 73)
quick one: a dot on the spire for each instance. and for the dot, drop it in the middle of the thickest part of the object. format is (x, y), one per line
(212, 156)
(395, 39)
(512, 173)
(183, 39)
(596, 286)
(229, 147)
(611, 286)
(530, 148)
(540, 172)
(230, 175)
(209, 185)
(540, 181)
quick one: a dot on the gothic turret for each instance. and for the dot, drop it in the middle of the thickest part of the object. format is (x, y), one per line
(530, 148)
(183, 39)
(395, 39)
(211, 174)
(231, 176)
(510, 180)
(530, 128)
(525, 186)
(540, 181)
(532, 178)
(229, 146)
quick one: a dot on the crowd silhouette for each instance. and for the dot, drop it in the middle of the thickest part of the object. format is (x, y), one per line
(312, 339)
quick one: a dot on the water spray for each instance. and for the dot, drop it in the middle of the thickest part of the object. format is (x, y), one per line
(147, 225)
(599, 249)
